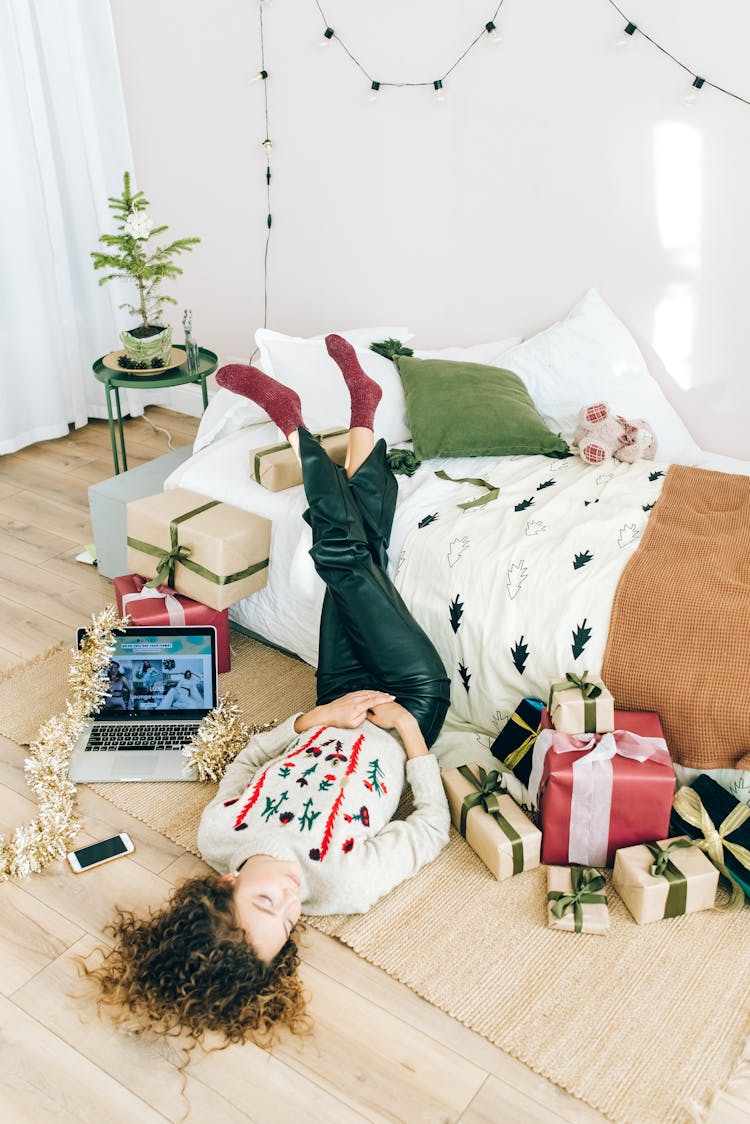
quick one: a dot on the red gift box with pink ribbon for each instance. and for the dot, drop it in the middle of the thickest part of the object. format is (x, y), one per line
(161, 605)
(599, 792)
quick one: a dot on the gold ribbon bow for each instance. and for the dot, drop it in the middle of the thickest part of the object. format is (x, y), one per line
(688, 804)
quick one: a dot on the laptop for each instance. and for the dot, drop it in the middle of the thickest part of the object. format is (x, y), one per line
(161, 683)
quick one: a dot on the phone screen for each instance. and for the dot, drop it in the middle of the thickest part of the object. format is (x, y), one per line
(97, 852)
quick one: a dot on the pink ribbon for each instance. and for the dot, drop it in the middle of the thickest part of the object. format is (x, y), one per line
(593, 779)
(175, 611)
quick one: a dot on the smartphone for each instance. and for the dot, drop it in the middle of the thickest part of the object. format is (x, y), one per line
(102, 852)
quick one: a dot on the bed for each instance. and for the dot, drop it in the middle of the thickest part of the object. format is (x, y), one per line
(514, 578)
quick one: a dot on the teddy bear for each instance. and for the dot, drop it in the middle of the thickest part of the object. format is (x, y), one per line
(601, 434)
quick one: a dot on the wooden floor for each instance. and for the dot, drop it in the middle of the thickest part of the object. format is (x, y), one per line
(378, 1051)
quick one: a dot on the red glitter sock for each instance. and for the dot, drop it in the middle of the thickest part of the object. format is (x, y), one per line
(365, 392)
(280, 402)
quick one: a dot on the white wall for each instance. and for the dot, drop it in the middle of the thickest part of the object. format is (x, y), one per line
(559, 161)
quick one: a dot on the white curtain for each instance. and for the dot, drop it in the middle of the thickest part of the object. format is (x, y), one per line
(65, 145)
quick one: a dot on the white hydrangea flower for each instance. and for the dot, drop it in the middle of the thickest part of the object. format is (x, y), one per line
(138, 225)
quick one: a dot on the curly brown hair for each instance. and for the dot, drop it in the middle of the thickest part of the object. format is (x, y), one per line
(189, 967)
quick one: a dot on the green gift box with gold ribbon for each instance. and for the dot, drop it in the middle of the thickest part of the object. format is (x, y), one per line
(664, 879)
(210, 551)
(276, 467)
(575, 901)
(580, 703)
(490, 821)
(515, 742)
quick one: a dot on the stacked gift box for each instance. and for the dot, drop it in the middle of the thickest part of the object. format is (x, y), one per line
(603, 784)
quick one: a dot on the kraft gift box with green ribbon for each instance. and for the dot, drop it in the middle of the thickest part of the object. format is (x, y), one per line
(276, 467)
(210, 551)
(575, 901)
(664, 879)
(581, 703)
(491, 822)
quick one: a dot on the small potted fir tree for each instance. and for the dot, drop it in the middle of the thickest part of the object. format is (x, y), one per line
(130, 254)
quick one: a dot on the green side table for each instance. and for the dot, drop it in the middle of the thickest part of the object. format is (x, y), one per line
(114, 381)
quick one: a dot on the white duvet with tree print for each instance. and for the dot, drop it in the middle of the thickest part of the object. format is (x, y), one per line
(517, 590)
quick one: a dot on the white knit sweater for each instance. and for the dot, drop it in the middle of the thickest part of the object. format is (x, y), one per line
(326, 799)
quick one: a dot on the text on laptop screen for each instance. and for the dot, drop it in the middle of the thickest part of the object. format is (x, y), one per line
(159, 672)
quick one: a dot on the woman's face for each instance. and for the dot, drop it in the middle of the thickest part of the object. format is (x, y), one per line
(266, 894)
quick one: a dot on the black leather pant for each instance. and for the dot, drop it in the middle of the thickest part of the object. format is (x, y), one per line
(368, 638)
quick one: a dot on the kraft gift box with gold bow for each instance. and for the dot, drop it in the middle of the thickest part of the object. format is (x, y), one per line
(276, 467)
(581, 704)
(206, 550)
(719, 825)
(575, 901)
(599, 792)
(664, 879)
(490, 821)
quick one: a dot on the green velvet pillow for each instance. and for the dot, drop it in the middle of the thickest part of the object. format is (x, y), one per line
(470, 410)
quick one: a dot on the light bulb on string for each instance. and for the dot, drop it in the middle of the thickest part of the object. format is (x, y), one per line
(373, 93)
(260, 76)
(437, 86)
(494, 34)
(626, 35)
(267, 144)
(328, 35)
(692, 94)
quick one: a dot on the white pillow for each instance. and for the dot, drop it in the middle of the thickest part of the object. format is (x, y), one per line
(228, 412)
(589, 357)
(307, 366)
(474, 353)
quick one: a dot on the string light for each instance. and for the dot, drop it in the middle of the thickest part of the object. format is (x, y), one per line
(260, 76)
(691, 95)
(374, 91)
(626, 34)
(698, 82)
(489, 31)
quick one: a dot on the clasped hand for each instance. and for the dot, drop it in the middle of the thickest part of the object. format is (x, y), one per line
(350, 710)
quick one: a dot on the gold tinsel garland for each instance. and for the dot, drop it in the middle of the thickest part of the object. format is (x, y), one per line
(30, 848)
(221, 736)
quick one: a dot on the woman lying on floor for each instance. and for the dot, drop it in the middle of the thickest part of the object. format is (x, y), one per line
(302, 820)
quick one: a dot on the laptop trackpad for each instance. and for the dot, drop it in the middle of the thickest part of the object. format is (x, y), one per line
(134, 765)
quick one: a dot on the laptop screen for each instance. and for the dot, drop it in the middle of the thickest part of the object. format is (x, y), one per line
(168, 672)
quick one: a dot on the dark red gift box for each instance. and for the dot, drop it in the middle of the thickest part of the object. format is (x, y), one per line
(641, 792)
(163, 606)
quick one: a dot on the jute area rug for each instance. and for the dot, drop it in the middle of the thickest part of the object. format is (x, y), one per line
(646, 1025)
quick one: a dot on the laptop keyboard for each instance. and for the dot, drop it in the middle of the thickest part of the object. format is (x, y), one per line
(109, 738)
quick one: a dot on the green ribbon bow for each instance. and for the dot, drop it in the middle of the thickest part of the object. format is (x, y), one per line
(492, 491)
(402, 462)
(661, 855)
(489, 788)
(586, 883)
(690, 807)
(589, 692)
(663, 867)
(179, 555)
